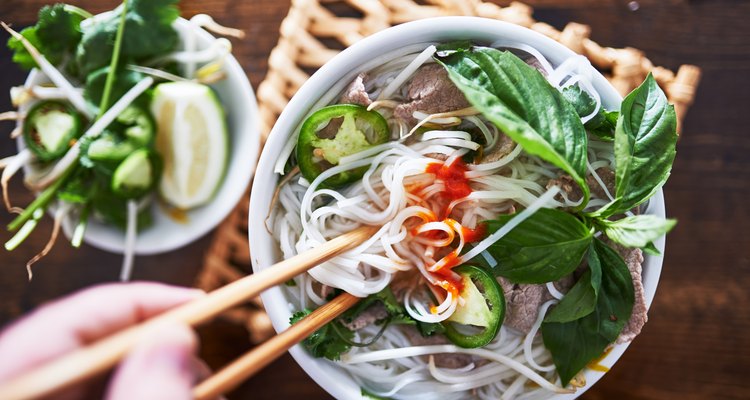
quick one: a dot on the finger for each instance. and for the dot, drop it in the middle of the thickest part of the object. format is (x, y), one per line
(82, 318)
(161, 367)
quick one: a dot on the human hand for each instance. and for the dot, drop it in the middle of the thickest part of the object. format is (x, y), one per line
(162, 366)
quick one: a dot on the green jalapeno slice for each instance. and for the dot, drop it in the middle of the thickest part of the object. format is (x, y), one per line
(50, 128)
(477, 321)
(334, 132)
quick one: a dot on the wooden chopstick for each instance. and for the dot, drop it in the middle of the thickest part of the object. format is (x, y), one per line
(256, 359)
(87, 362)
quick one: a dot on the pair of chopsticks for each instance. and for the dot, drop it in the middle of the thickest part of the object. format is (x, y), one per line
(104, 354)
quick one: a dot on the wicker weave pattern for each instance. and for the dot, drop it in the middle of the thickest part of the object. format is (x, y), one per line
(314, 31)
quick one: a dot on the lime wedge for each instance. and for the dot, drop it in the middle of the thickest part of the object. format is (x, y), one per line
(192, 139)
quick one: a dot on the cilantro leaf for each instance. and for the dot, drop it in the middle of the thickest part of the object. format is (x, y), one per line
(56, 34)
(20, 55)
(329, 342)
(150, 34)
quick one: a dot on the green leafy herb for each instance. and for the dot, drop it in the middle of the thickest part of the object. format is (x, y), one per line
(580, 301)
(603, 123)
(327, 341)
(150, 34)
(97, 80)
(645, 141)
(637, 231)
(575, 343)
(543, 248)
(56, 33)
(396, 312)
(520, 101)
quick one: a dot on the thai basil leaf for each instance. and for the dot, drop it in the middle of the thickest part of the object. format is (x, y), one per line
(543, 248)
(645, 141)
(581, 300)
(637, 231)
(520, 101)
(576, 343)
(603, 123)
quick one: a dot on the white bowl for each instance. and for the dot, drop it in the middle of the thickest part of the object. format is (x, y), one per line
(329, 80)
(166, 233)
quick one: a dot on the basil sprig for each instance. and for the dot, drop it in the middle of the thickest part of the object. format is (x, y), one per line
(645, 147)
(577, 334)
(520, 101)
(551, 244)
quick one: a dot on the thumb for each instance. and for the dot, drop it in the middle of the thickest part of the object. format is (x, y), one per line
(160, 367)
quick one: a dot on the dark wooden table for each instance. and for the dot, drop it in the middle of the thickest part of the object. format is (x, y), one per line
(697, 342)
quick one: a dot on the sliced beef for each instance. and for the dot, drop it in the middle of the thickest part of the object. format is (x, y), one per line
(522, 301)
(568, 186)
(608, 178)
(503, 147)
(355, 93)
(634, 260)
(377, 312)
(574, 193)
(444, 360)
(431, 91)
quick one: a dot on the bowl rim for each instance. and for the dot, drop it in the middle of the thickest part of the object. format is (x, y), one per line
(338, 72)
(238, 172)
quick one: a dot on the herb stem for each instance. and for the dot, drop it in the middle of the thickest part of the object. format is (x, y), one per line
(104, 104)
(342, 336)
(41, 201)
(78, 11)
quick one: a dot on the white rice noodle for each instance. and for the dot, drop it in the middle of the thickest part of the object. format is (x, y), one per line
(553, 291)
(95, 130)
(527, 342)
(414, 351)
(599, 181)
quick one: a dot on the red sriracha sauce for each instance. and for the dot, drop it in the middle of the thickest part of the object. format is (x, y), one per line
(474, 235)
(453, 177)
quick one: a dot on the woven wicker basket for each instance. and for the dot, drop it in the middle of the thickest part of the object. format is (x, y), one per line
(316, 30)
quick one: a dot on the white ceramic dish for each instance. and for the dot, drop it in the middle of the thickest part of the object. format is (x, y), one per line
(166, 233)
(328, 81)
